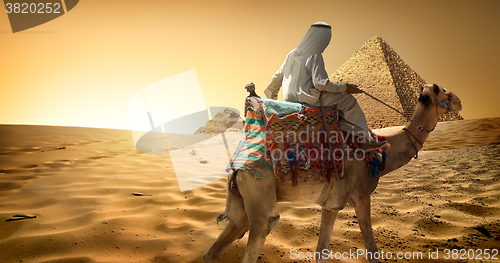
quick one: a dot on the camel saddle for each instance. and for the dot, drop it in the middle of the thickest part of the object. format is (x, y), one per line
(291, 141)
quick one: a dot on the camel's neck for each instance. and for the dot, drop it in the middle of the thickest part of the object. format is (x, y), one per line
(403, 144)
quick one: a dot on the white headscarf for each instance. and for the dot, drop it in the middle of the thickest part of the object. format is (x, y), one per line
(314, 41)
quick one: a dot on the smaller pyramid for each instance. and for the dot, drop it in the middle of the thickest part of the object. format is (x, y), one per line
(377, 69)
(226, 120)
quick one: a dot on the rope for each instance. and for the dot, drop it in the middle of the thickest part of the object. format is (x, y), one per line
(421, 145)
(402, 114)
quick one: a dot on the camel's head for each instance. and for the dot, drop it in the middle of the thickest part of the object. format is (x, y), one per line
(444, 100)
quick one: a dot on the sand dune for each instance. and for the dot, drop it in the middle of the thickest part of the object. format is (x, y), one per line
(86, 195)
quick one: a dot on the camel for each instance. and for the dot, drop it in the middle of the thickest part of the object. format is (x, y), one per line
(252, 202)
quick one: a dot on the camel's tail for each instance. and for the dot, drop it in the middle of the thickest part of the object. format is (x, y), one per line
(229, 184)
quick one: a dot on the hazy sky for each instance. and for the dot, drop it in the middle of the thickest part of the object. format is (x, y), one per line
(82, 68)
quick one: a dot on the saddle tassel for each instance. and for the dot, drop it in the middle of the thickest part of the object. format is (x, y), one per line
(329, 173)
(294, 176)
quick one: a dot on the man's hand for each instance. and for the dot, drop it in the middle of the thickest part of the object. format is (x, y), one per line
(351, 89)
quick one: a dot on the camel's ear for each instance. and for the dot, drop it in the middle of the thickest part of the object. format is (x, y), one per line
(435, 88)
(421, 88)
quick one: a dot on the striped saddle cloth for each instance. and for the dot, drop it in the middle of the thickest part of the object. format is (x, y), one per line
(291, 141)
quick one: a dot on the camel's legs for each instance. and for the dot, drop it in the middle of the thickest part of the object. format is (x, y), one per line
(327, 221)
(235, 227)
(259, 197)
(363, 212)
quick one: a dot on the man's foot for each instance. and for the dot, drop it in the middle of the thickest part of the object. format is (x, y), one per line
(372, 146)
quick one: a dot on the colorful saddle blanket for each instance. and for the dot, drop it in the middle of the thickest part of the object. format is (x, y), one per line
(290, 141)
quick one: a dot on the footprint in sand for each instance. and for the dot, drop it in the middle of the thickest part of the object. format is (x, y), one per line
(97, 157)
(58, 163)
(28, 166)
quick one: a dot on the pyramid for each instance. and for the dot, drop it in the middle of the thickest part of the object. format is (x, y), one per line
(377, 69)
(226, 120)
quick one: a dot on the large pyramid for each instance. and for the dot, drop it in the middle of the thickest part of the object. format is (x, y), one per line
(378, 70)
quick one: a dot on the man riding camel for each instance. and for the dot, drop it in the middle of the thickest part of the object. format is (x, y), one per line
(304, 80)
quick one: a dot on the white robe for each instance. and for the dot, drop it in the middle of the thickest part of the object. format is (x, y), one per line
(303, 80)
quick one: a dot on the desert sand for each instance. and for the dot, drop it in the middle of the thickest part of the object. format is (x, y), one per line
(70, 194)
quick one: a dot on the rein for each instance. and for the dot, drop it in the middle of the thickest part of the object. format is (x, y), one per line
(414, 137)
(402, 114)
(440, 103)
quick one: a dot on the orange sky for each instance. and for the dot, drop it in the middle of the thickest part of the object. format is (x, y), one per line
(82, 68)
